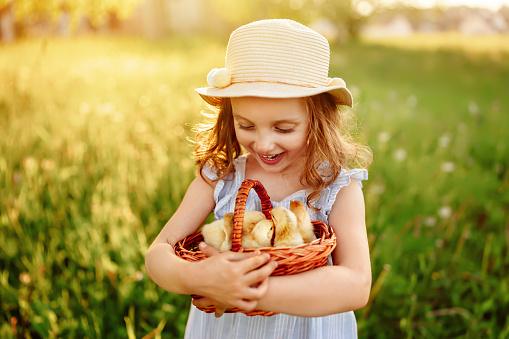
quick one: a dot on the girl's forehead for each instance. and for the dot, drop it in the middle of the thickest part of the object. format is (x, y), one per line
(275, 108)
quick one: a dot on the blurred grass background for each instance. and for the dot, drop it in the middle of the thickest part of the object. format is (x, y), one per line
(94, 160)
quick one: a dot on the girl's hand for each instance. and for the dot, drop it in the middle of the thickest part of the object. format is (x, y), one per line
(232, 279)
(220, 308)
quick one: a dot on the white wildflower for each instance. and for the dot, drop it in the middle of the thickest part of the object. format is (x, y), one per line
(430, 221)
(473, 108)
(47, 164)
(29, 163)
(412, 101)
(400, 155)
(445, 212)
(439, 243)
(445, 140)
(384, 137)
(448, 167)
(377, 188)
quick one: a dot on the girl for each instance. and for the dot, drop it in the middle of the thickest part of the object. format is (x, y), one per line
(277, 122)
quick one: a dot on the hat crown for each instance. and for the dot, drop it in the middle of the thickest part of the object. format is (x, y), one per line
(280, 51)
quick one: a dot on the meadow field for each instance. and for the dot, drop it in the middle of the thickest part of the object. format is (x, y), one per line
(94, 160)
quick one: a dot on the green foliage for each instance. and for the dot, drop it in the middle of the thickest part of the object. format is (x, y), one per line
(93, 161)
(346, 15)
(95, 10)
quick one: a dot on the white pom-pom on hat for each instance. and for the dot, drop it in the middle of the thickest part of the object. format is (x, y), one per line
(336, 82)
(210, 76)
(219, 78)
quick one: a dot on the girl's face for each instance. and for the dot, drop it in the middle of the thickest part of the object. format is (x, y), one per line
(274, 131)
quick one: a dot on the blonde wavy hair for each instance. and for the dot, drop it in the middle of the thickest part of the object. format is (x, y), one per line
(329, 140)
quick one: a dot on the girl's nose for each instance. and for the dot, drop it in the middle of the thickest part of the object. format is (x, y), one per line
(263, 143)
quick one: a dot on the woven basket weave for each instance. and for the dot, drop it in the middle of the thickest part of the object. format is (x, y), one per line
(291, 260)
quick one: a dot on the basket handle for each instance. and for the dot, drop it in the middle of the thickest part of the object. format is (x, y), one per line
(240, 206)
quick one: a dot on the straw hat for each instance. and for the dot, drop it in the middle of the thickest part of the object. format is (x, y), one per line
(277, 58)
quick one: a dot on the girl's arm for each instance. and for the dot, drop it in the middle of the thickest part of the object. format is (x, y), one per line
(331, 289)
(227, 277)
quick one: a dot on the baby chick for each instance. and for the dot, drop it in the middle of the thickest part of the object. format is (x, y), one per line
(262, 233)
(218, 234)
(228, 229)
(285, 224)
(251, 219)
(303, 221)
(214, 233)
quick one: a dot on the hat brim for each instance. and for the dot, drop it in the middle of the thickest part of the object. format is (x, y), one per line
(272, 90)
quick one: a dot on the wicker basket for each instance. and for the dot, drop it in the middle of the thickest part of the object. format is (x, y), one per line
(291, 260)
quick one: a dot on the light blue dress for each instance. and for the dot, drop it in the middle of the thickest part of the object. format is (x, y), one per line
(239, 326)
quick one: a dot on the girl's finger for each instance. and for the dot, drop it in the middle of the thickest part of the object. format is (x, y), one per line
(246, 305)
(253, 263)
(256, 293)
(203, 302)
(236, 256)
(219, 311)
(209, 251)
(261, 273)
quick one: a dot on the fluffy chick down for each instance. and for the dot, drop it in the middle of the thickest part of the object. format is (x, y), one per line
(218, 234)
(251, 220)
(303, 221)
(292, 227)
(285, 225)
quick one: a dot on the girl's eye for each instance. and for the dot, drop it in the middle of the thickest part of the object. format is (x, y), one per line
(247, 128)
(284, 130)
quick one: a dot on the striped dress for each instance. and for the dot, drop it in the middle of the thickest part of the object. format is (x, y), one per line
(237, 325)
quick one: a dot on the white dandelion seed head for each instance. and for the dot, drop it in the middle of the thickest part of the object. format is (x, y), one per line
(447, 167)
(445, 212)
(378, 189)
(445, 140)
(473, 108)
(430, 221)
(400, 154)
(384, 137)
(439, 243)
(412, 101)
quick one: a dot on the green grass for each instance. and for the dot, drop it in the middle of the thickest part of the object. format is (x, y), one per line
(93, 162)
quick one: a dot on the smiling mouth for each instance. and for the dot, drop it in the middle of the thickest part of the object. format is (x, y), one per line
(271, 157)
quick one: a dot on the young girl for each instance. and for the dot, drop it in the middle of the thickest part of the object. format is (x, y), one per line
(278, 121)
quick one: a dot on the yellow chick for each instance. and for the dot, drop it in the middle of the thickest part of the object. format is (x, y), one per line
(251, 219)
(218, 234)
(304, 224)
(285, 224)
(228, 229)
(214, 233)
(262, 233)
